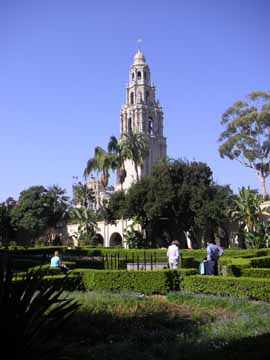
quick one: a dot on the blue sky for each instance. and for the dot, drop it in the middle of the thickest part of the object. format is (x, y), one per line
(64, 66)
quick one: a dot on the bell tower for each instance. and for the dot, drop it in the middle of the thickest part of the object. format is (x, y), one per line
(142, 113)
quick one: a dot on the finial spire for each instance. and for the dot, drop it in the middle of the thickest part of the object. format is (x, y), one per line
(139, 41)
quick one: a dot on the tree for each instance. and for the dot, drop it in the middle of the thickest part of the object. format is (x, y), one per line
(87, 221)
(246, 137)
(102, 161)
(6, 229)
(57, 206)
(39, 209)
(249, 213)
(134, 146)
(82, 195)
(114, 147)
(179, 196)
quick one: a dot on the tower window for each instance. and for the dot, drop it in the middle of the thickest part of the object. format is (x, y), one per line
(145, 75)
(132, 76)
(132, 98)
(129, 125)
(150, 127)
(147, 97)
(139, 75)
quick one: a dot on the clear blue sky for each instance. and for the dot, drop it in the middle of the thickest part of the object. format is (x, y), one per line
(64, 66)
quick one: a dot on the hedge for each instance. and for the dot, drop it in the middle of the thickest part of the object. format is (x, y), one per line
(198, 254)
(147, 282)
(253, 288)
(256, 272)
(236, 266)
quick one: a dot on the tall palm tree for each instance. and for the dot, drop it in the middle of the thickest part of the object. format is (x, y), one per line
(119, 161)
(102, 161)
(134, 146)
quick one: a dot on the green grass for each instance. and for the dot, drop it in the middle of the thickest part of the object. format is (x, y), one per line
(180, 326)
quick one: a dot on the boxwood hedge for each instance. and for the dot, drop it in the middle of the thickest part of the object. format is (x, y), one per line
(253, 288)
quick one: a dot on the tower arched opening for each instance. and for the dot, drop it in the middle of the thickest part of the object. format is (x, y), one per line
(132, 98)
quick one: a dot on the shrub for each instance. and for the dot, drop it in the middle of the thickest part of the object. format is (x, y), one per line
(256, 272)
(147, 282)
(32, 315)
(258, 289)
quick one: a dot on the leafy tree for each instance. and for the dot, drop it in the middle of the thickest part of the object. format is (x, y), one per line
(115, 208)
(39, 209)
(212, 216)
(246, 137)
(179, 196)
(57, 205)
(6, 229)
(134, 238)
(134, 146)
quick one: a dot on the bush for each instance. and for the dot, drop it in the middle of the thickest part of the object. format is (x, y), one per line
(235, 266)
(256, 272)
(257, 289)
(147, 282)
(32, 316)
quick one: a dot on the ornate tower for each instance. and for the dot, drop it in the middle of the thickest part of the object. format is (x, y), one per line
(142, 113)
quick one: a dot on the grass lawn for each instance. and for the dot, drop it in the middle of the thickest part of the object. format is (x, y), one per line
(129, 326)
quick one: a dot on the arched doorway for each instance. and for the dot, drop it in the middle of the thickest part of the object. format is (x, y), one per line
(116, 239)
(99, 239)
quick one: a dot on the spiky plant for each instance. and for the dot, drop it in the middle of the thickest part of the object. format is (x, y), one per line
(32, 316)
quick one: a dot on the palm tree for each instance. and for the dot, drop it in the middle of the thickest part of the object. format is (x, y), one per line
(102, 161)
(248, 210)
(87, 220)
(119, 161)
(134, 146)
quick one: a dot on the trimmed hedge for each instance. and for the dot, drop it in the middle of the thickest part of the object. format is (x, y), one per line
(147, 282)
(256, 272)
(260, 262)
(198, 254)
(253, 288)
(236, 266)
(48, 270)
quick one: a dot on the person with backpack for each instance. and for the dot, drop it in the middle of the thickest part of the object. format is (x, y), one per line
(213, 253)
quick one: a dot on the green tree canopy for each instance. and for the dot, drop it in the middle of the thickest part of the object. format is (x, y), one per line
(246, 137)
(179, 196)
(38, 209)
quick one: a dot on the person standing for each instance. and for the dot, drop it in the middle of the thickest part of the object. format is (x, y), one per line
(213, 253)
(173, 254)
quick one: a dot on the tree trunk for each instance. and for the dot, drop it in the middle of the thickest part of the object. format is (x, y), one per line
(262, 182)
(136, 170)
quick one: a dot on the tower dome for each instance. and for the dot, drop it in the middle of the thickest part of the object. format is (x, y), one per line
(139, 57)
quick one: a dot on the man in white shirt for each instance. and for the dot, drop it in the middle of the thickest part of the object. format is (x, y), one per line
(173, 255)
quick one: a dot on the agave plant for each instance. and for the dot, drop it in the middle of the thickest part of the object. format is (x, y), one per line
(32, 316)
